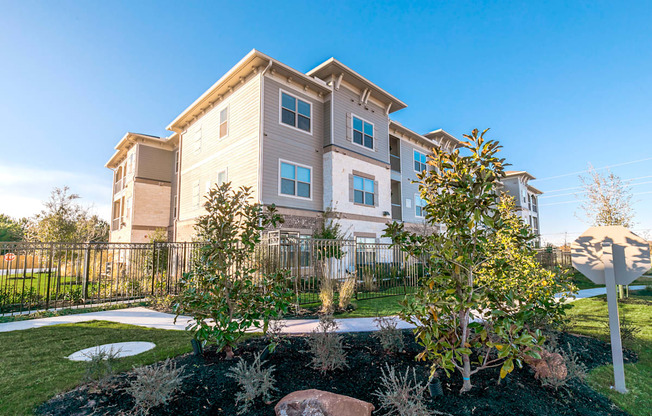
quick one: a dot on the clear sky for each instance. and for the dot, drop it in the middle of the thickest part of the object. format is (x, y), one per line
(561, 84)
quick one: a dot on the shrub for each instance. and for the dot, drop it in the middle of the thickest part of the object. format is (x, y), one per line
(326, 346)
(347, 290)
(224, 294)
(368, 279)
(275, 335)
(400, 394)
(481, 260)
(555, 377)
(154, 385)
(628, 330)
(99, 367)
(326, 295)
(391, 338)
(254, 381)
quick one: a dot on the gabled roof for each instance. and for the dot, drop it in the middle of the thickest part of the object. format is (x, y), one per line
(337, 69)
(515, 173)
(253, 61)
(441, 134)
(534, 190)
(129, 139)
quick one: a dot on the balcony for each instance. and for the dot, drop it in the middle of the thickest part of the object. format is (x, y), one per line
(395, 154)
(397, 211)
(118, 185)
(395, 163)
(116, 223)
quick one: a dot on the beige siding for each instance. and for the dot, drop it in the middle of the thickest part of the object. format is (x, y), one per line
(347, 102)
(237, 152)
(151, 205)
(154, 163)
(292, 145)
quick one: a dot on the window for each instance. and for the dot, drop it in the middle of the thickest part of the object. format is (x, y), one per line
(195, 195)
(366, 250)
(295, 180)
(221, 177)
(130, 164)
(176, 162)
(419, 205)
(128, 207)
(363, 133)
(295, 112)
(419, 161)
(224, 122)
(174, 208)
(363, 191)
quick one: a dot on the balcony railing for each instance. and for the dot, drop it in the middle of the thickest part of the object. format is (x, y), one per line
(116, 223)
(395, 163)
(397, 213)
(118, 185)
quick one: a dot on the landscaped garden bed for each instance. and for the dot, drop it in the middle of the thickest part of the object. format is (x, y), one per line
(206, 389)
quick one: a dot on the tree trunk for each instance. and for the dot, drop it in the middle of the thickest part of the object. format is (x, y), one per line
(229, 352)
(466, 360)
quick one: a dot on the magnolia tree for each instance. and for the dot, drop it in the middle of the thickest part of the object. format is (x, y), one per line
(225, 293)
(477, 305)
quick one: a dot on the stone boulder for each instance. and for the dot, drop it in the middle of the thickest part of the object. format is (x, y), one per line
(551, 364)
(321, 403)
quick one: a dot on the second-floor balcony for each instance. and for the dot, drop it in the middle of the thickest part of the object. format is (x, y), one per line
(118, 185)
(116, 223)
(395, 163)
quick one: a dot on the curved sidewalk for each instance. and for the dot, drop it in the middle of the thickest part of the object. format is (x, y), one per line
(152, 319)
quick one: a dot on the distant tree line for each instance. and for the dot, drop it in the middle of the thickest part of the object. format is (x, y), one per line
(63, 219)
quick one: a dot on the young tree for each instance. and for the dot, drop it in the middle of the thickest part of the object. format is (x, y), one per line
(470, 309)
(608, 199)
(225, 293)
(11, 230)
(65, 220)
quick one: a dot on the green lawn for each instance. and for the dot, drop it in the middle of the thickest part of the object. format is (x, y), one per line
(33, 367)
(582, 282)
(588, 317)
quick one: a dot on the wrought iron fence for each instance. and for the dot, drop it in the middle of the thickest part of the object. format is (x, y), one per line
(35, 276)
(551, 258)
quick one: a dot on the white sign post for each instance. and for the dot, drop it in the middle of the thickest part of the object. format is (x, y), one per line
(612, 256)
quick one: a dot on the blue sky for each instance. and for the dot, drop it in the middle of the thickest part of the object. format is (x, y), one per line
(560, 85)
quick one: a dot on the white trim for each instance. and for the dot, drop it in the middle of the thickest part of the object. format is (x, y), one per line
(373, 127)
(280, 111)
(295, 180)
(228, 121)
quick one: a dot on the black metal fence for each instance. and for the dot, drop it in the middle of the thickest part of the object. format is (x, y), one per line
(35, 276)
(551, 258)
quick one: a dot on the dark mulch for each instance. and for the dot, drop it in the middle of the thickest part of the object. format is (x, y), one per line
(208, 392)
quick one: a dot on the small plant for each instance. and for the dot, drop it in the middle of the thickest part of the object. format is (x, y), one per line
(400, 394)
(347, 290)
(326, 295)
(154, 385)
(275, 335)
(99, 367)
(254, 381)
(368, 280)
(326, 346)
(391, 338)
(628, 330)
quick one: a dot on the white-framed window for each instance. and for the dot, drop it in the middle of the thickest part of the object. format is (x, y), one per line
(363, 191)
(222, 176)
(295, 112)
(363, 132)
(174, 208)
(295, 180)
(195, 195)
(198, 141)
(419, 205)
(176, 162)
(130, 164)
(420, 161)
(224, 122)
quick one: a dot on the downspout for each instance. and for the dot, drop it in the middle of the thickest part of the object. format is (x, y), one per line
(178, 190)
(261, 133)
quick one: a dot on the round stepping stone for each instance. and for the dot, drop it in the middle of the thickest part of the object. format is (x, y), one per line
(118, 349)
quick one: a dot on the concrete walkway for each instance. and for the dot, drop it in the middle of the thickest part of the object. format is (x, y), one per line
(152, 319)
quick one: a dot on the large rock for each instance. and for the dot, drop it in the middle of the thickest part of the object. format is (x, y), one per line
(551, 364)
(321, 403)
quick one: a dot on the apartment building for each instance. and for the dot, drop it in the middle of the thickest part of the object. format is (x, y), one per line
(306, 142)
(526, 197)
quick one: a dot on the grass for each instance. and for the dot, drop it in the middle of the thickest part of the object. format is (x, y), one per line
(589, 316)
(33, 367)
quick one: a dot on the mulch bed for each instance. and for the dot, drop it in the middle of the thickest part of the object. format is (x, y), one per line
(208, 392)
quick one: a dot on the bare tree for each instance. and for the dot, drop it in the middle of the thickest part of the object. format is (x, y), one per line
(606, 199)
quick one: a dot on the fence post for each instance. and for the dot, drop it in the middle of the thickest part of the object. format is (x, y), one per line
(87, 263)
(154, 265)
